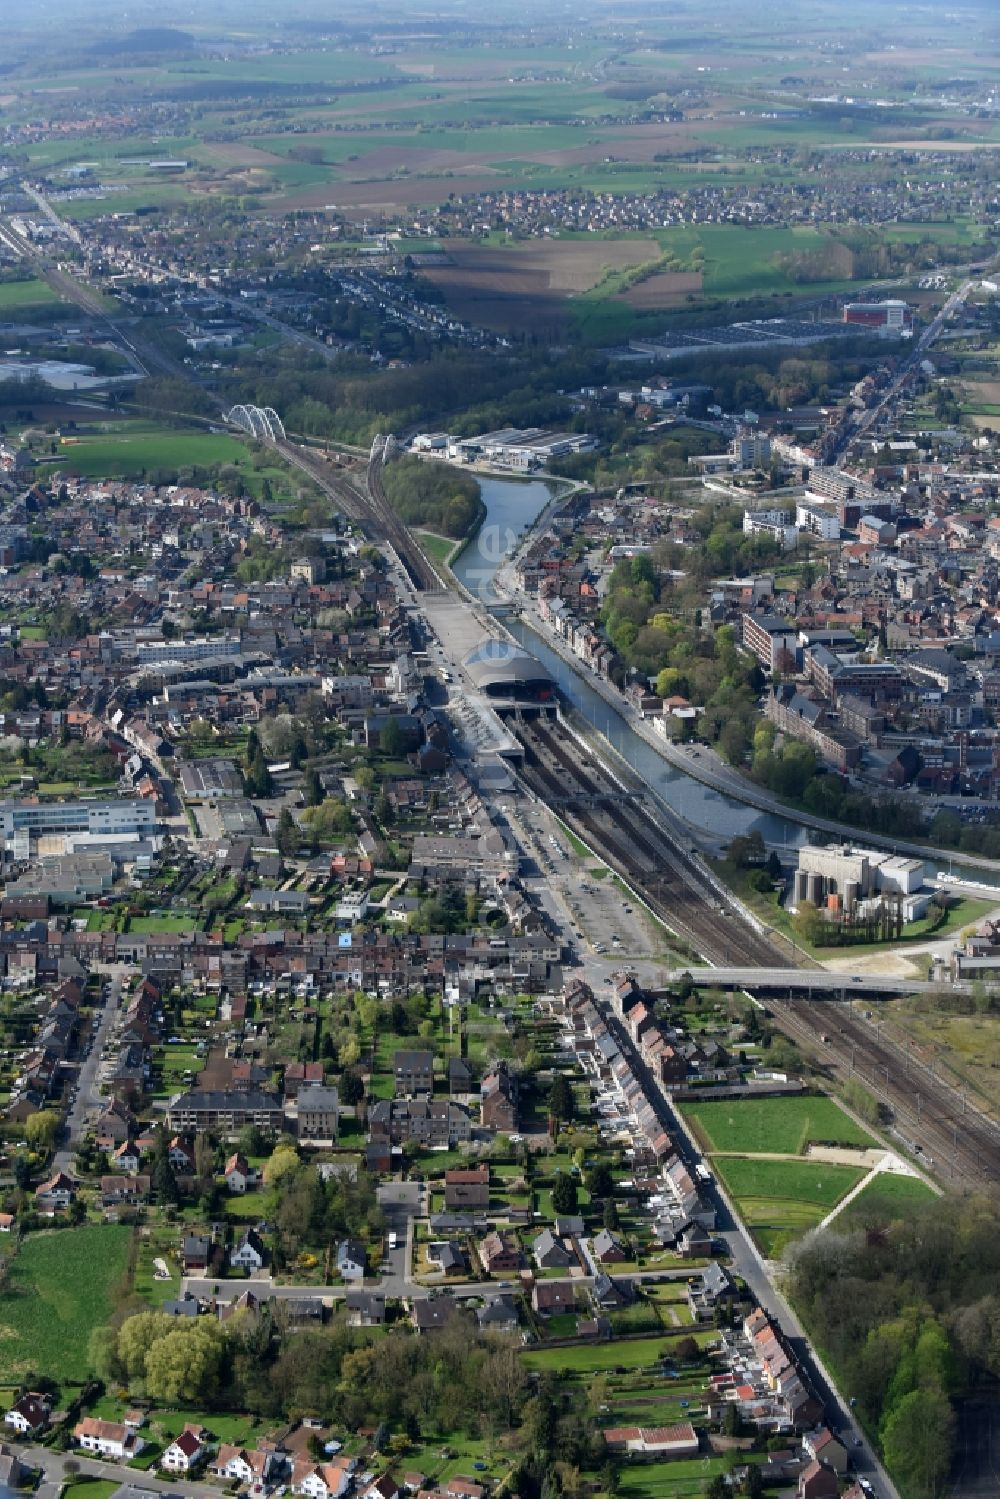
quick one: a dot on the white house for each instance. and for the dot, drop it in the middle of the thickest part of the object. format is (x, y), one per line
(28, 1415)
(55, 1193)
(108, 1438)
(246, 1465)
(351, 1259)
(322, 1480)
(185, 1452)
(238, 1174)
(249, 1253)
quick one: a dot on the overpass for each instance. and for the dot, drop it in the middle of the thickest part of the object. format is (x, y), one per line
(807, 981)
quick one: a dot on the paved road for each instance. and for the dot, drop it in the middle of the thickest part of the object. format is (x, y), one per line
(808, 981)
(53, 1465)
(747, 1263)
(87, 1095)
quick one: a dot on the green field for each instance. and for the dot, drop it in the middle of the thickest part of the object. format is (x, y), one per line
(15, 295)
(884, 1199)
(133, 455)
(772, 1126)
(780, 1200)
(59, 1289)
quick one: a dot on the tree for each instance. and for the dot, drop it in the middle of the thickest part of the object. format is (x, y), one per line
(352, 1088)
(284, 1159)
(611, 1221)
(185, 1364)
(136, 1337)
(164, 1182)
(917, 1439)
(40, 1129)
(561, 1098)
(564, 1194)
(312, 788)
(390, 739)
(599, 1180)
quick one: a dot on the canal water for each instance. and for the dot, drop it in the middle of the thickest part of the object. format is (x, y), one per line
(512, 506)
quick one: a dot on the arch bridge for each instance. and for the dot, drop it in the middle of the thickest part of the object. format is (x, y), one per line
(262, 422)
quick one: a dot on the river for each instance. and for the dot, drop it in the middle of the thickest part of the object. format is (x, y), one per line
(512, 506)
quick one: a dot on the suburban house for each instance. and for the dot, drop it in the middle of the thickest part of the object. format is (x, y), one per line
(248, 1465)
(549, 1296)
(414, 1072)
(499, 1255)
(238, 1174)
(365, 1308)
(29, 1415)
(12, 1474)
(551, 1253)
(322, 1480)
(250, 1252)
(468, 1188)
(351, 1259)
(817, 1481)
(185, 1452)
(108, 1438)
(608, 1249)
(498, 1315)
(823, 1447)
(498, 1100)
(55, 1194)
(196, 1252)
(124, 1191)
(181, 1156)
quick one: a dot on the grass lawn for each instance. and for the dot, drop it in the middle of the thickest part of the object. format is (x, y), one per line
(32, 293)
(772, 1126)
(438, 548)
(781, 1200)
(177, 924)
(130, 456)
(85, 1487)
(592, 1358)
(686, 1479)
(885, 1198)
(59, 1290)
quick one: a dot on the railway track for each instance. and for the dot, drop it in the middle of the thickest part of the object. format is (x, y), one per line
(634, 843)
(959, 1144)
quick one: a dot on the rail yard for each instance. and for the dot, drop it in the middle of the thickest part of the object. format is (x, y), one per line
(626, 832)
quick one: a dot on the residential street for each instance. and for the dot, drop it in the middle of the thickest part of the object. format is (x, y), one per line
(87, 1095)
(53, 1465)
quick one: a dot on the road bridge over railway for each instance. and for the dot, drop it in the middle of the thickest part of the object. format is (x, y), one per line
(813, 982)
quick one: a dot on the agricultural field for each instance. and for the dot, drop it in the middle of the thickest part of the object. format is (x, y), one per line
(780, 1200)
(60, 1287)
(526, 287)
(772, 1126)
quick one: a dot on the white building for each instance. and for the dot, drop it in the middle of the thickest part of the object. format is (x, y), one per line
(817, 521)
